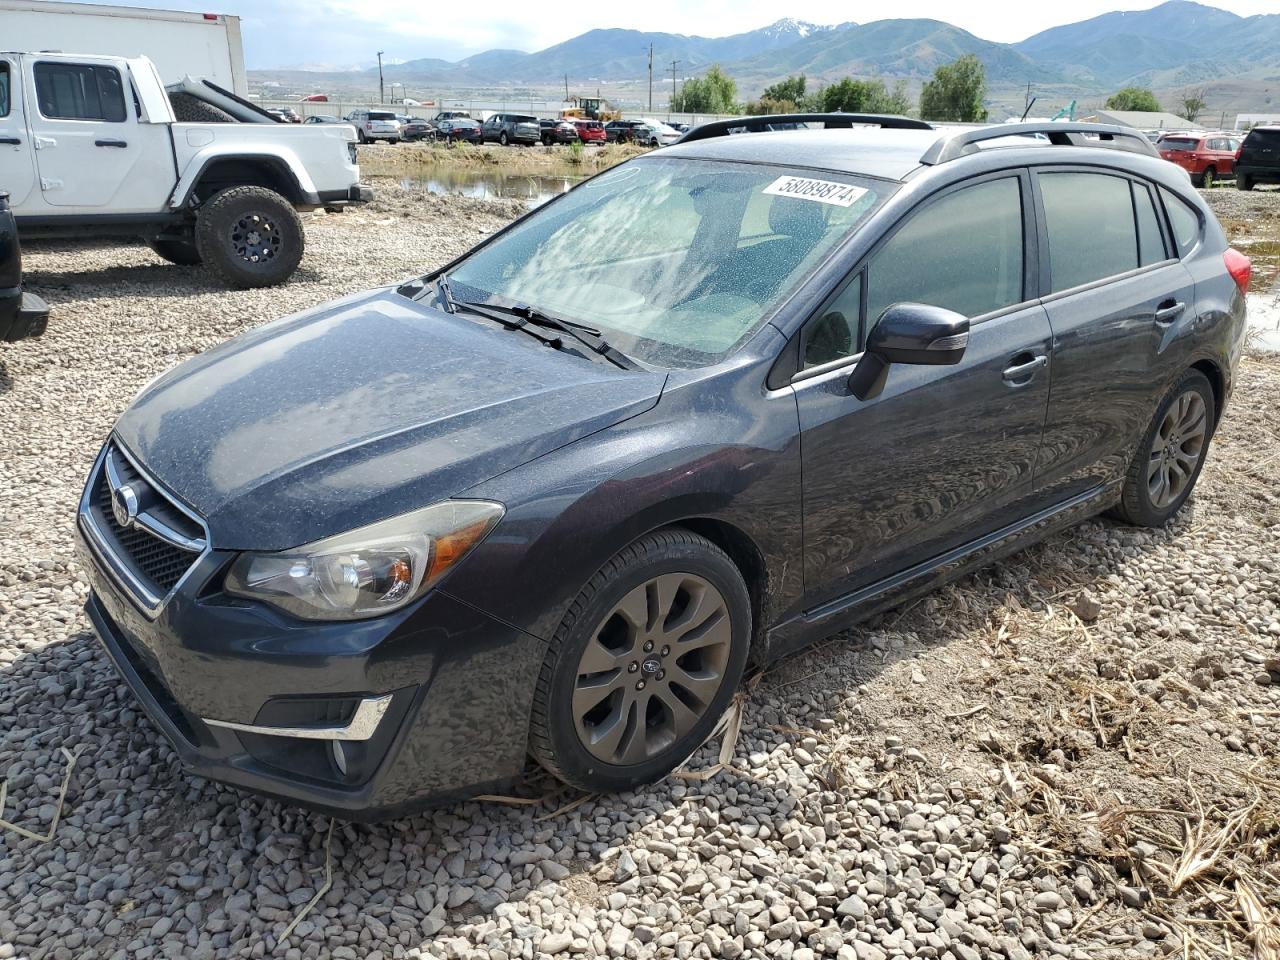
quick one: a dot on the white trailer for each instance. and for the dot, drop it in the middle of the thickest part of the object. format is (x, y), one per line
(203, 45)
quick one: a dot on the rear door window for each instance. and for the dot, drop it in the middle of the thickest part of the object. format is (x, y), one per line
(962, 252)
(4, 88)
(1150, 242)
(79, 91)
(1090, 224)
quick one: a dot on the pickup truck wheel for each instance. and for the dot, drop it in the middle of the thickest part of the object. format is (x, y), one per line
(250, 236)
(182, 252)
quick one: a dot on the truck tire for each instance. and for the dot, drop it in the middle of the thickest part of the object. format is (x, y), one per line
(189, 109)
(180, 251)
(250, 237)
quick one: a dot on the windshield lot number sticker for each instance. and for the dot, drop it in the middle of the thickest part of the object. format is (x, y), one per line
(820, 191)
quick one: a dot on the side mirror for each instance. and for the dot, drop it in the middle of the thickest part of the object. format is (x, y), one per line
(908, 333)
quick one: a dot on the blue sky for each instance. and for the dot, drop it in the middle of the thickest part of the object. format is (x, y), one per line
(349, 32)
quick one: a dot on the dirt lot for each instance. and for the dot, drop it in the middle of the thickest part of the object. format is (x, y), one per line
(1075, 753)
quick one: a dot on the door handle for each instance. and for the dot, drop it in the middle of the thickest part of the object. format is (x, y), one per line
(110, 143)
(1020, 373)
(1169, 311)
(12, 141)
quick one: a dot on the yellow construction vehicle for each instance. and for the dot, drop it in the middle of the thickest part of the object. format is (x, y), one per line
(592, 108)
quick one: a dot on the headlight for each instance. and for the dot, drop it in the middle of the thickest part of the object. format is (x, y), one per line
(366, 572)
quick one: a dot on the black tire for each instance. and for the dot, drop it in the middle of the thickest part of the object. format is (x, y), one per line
(182, 252)
(502, 138)
(187, 109)
(554, 740)
(360, 137)
(1136, 505)
(1244, 182)
(250, 237)
(1208, 178)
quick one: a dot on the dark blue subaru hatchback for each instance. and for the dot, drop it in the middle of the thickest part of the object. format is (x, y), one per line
(707, 407)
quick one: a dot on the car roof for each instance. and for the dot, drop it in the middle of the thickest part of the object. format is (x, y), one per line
(897, 152)
(872, 151)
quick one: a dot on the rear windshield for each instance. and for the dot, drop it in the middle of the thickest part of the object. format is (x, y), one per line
(381, 115)
(1179, 143)
(676, 262)
(1259, 137)
(524, 119)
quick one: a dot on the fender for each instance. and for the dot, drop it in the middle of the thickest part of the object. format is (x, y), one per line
(280, 158)
(570, 511)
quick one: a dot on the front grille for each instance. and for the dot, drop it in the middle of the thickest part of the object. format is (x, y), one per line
(154, 561)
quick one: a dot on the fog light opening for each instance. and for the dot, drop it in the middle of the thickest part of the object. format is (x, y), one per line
(339, 756)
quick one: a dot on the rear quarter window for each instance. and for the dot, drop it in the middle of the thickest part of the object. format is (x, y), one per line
(4, 88)
(1184, 219)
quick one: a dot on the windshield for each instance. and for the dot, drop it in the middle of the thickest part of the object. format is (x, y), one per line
(675, 262)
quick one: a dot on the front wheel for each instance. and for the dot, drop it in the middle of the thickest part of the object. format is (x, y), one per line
(182, 252)
(250, 237)
(1170, 455)
(643, 665)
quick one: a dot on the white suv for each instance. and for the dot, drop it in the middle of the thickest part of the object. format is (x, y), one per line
(375, 125)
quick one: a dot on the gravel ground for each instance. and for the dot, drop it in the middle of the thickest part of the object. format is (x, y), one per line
(1075, 753)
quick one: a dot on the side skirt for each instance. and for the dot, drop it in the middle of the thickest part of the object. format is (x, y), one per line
(893, 591)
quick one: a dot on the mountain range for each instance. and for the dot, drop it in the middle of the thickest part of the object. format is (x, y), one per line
(1177, 43)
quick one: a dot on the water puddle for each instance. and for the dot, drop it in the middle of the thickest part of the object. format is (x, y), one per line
(487, 184)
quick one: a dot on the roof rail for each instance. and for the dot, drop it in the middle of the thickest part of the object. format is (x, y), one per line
(830, 121)
(963, 142)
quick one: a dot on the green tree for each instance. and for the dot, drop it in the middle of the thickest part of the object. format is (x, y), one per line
(863, 96)
(1192, 104)
(1133, 98)
(755, 108)
(956, 92)
(712, 93)
(790, 90)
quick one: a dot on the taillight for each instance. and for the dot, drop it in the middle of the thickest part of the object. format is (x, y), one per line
(1240, 267)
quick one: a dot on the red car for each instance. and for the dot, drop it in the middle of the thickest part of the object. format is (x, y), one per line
(1205, 156)
(589, 131)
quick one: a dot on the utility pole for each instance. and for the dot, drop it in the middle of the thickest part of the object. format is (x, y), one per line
(566, 88)
(673, 88)
(651, 78)
(381, 90)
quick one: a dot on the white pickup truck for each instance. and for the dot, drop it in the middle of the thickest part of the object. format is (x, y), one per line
(90, 146)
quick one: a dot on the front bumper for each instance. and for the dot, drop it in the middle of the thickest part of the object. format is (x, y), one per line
(453, 687)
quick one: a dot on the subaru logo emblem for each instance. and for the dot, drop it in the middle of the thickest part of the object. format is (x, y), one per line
(651, 666)
(124, 506)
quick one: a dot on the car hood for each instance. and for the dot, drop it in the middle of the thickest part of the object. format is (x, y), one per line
(359, 410)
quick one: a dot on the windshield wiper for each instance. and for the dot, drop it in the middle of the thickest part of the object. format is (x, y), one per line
(587, 336)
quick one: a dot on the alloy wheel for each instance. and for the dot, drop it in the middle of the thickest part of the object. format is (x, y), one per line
(1176, 448)
(255, 238)
(652, 668)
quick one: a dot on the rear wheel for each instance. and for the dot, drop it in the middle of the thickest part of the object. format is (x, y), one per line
(250, 237)
(643, 665)
(1208, 178)
(361, 137)
(1244, 182)
(1170, 455)
(182, 252)
(502, 138)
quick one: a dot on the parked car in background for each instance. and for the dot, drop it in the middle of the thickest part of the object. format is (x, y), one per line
(462, 129)
(22, 315)
(557, 131)
(275, 114)
(588, 131)
(1206, 157)
(322, 118)
(1258, 160)
(291, 115)
(621, 131)
(554, 498)
(226, 195)
(375, 125)
(660, 134)
(450, 115)
(508, 128)
(416, 128)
